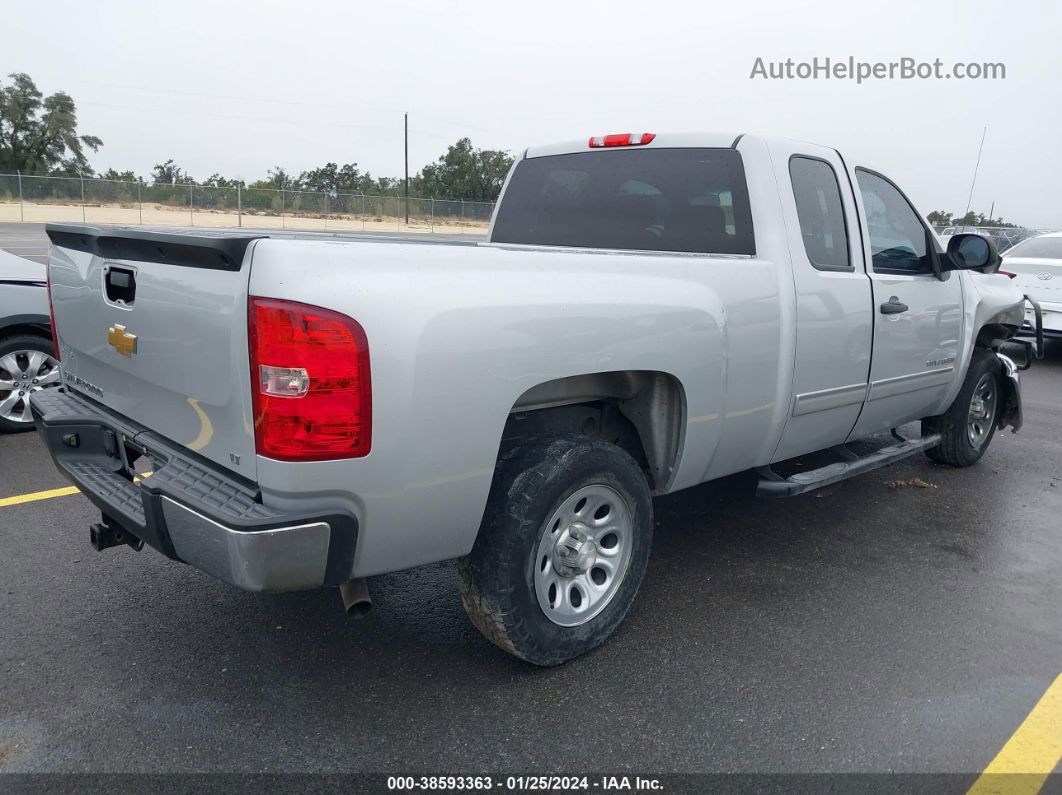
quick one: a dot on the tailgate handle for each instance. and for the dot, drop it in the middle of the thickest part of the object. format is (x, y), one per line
(120, 285)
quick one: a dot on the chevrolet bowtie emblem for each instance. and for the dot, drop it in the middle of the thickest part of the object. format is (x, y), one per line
(121, 341)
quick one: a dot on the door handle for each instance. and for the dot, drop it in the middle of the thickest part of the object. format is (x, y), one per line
(893, 306)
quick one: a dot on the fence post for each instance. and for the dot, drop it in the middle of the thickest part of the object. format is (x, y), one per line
(281, 208)
(82, 176)
(140, 202)
(432, 213)
(363, 208)
(21, 211)
(191, 203)
(326, 211)
(239, 205)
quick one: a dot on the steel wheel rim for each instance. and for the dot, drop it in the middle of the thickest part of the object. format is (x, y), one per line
(982, 410)
(22, 374)
(583, 554)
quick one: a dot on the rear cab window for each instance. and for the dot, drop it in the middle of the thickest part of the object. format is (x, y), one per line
(679, 200)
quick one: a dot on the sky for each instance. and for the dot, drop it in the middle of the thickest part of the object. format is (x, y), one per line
(237, 88)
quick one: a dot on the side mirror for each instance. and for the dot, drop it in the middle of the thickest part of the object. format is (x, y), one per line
(972, 253)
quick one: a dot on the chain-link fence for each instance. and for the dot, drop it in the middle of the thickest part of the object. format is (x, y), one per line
(33, 198)
(1005, 237)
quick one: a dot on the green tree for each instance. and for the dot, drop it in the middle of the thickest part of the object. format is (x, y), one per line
(217, 181)
(283, 180)
(333, 179)
(978, 219)
(119, 176)
(939, 218)
(466, 173)
(387, 186)
(39, 133)
(169, 173)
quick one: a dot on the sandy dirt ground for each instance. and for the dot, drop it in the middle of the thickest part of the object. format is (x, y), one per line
(162, 215)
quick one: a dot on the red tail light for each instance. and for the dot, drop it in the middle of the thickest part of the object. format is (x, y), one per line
(51, 315)
(310, 382)
(621, 139)
(1008, 274)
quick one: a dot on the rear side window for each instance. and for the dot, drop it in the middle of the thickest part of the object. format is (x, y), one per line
(821, 214)
(693, 200)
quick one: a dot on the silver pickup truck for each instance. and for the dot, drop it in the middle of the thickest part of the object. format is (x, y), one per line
(649, 312)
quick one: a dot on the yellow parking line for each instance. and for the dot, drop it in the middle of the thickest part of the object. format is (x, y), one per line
(18, 499)
(1032, 752)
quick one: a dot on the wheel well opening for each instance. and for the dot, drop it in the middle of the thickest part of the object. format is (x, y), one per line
(993, 335)
(25, 328)
(640, 411)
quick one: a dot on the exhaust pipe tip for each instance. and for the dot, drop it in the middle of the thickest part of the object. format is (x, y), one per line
(356, 599)
(359, 610)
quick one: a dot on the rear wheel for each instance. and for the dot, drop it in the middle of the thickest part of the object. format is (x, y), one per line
(562, 549)
(967, 427)
(27, 365)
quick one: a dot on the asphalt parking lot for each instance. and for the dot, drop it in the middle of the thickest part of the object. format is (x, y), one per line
(905, 621)
(24, 240)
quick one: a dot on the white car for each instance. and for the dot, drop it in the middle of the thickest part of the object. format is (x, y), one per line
(27, 355)
(1036, 266)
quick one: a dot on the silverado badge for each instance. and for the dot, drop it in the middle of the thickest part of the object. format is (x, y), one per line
(119, 339)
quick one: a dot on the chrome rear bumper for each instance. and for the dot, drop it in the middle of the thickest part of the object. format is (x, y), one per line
(189, 509)
(274, 559)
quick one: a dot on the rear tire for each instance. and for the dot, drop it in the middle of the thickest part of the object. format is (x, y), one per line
(561, 551)
(967, 427)
(27, 365)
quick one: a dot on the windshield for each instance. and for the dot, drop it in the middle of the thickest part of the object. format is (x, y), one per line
(1042, 247)
(692, 200)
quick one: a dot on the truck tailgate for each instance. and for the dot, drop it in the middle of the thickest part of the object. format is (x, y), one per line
(154, 326)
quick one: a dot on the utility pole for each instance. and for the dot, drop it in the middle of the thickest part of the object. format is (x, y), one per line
(406, 117)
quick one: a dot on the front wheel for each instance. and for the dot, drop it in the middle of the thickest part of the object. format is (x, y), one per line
(561, 551)
(967, 427)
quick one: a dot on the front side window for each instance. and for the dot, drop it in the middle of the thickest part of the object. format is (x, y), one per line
(898, 241)
(820, 212)
(691, 200)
